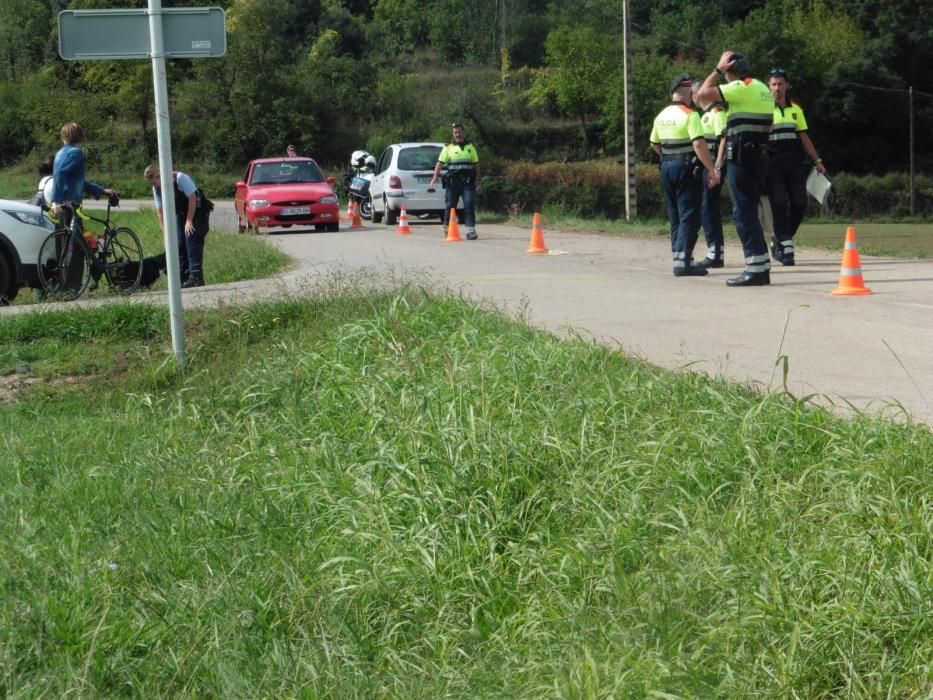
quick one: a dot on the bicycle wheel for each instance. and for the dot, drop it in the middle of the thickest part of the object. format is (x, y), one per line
(123, 260)
(64, 269)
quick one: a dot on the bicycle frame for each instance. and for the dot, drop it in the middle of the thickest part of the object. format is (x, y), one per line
(119, 258)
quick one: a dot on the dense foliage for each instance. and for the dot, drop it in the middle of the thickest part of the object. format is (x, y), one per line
(534, 80)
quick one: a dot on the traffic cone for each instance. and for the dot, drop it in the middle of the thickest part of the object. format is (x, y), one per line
(349, 214)
(850, 276)
(403, 228)
(453, 229)
(537, 237)
(355, 220)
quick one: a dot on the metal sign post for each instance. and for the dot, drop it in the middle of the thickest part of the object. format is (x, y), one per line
(195, 32)
(164, 137)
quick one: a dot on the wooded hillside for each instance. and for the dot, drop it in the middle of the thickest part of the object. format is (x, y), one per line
(532, 79)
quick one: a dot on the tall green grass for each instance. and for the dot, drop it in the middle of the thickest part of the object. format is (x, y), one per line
(396, 494)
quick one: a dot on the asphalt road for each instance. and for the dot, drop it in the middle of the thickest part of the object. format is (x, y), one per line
(868, 352)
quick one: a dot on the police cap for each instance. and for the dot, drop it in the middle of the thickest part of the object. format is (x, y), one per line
(681, 81)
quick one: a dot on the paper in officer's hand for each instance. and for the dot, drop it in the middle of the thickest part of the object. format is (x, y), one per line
(818, 185)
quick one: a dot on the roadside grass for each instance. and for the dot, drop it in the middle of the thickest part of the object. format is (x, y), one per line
(398, 494)
(228, 257)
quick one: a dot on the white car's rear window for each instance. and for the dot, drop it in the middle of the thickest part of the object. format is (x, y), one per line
(418, 158)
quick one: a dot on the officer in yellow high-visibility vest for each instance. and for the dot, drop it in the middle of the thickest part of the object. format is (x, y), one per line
(748, 123)
(677, 136)
(787, 178)
(462, 179)
(713, 119)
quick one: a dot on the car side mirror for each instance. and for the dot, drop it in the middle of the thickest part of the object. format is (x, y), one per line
(241, 184)
(331, 180)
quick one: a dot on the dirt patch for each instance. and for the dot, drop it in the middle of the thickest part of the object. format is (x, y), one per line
(14, 384)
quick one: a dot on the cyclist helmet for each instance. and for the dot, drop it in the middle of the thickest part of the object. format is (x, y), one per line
(47, 186)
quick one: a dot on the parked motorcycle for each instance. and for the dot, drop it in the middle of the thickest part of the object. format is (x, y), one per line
(357, 180)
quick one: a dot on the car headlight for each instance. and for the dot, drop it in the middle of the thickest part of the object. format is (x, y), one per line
(31, 218)
(254, 203)
(329, 199)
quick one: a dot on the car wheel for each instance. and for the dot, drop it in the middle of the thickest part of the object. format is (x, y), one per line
(390, 214)
(6, 283)
(334, 227)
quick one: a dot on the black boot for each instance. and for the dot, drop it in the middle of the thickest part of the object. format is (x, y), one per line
(196, 279)
(690, 271)
(750, 279)
(709, 263)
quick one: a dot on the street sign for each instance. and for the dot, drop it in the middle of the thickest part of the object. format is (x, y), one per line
(188, 32)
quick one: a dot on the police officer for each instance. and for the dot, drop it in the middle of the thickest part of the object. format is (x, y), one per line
(462, 179)
(713, 119)
(192, 221)
(677, 136)
(748, 123)
(787, 178)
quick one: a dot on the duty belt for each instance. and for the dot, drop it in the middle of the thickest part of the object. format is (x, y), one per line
(677, 156)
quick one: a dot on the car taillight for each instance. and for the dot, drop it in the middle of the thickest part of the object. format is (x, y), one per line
(395, 183)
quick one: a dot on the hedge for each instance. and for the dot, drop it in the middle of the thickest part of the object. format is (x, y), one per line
(596, 189)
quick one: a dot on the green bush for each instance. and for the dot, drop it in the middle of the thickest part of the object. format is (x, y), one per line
(597, 189)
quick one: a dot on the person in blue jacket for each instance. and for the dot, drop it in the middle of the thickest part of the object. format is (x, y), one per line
(68, 173)
(69, 185)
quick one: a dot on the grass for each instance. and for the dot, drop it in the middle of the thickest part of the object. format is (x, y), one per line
(397, 494)
(228, 257)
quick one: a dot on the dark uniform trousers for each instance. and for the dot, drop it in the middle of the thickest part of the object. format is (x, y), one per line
(745, 180)
(683, 198)
(787, 190)
(711, 216)
(191, 248)
(461, 186)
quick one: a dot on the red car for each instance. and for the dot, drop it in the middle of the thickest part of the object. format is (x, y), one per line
(286, 192)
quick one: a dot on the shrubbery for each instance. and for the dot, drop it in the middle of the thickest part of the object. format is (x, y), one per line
(596, 188)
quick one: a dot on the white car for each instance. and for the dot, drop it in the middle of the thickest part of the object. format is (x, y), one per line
(403, 178)
(23, 228)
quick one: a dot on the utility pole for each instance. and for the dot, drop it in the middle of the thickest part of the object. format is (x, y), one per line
(910, 99)
(631, 204)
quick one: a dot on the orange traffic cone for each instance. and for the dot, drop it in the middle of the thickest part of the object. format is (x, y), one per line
(453, 229)
(403, 228)
(850, 276)
(355, 220)
(349, 214)
(537, 237)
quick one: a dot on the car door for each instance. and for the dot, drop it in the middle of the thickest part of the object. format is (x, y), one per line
(239, 197)
(378, 185)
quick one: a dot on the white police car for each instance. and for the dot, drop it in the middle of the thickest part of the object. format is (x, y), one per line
(22, 230)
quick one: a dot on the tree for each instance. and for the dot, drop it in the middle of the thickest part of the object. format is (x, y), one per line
(579, 62)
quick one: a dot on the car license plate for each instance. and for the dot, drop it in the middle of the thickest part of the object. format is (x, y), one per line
(293, 211)
(422, 179)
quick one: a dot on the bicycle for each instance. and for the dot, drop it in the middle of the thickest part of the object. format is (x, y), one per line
(67, 261)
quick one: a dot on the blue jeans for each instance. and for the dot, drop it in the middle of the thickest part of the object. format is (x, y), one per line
(458, 187)
(745, 190)
(683, 197)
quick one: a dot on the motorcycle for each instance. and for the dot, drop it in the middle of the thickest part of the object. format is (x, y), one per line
(357, 180)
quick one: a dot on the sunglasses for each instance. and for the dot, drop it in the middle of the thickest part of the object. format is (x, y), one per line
(778, 73)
